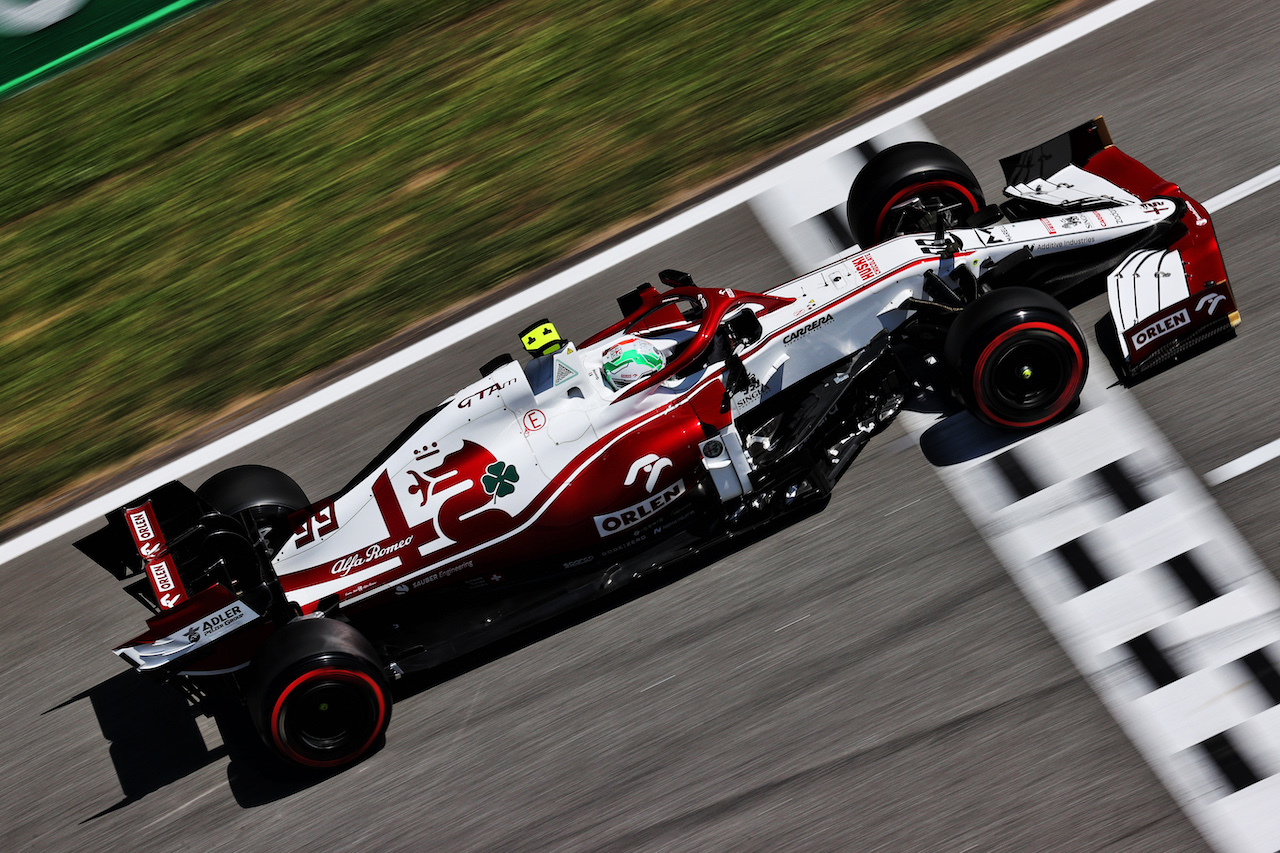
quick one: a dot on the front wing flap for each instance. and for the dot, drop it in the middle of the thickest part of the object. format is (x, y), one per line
(1167, 302)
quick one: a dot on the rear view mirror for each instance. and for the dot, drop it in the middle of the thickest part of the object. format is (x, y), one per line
(744, 327)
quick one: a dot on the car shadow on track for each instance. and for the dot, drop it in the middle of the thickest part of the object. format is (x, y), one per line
(156, 740)
(673, 572)
(957, 436)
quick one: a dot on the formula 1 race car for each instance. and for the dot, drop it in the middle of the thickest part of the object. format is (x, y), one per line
(702, 414)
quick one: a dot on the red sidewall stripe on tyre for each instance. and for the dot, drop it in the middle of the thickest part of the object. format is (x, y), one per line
(915, 188)
(340, 674)
(1063, 399)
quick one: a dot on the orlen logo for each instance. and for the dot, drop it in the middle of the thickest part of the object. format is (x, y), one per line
(633, 515)
(866, 267)
(164, 577)
(651, 464)
(1161, 327)
(166, 582)
(142, 528)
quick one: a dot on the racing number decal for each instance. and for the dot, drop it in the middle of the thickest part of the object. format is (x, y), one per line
(317, 525)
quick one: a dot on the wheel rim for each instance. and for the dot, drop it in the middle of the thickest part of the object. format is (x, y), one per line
(917, 208)
(328, 717)
(1028, 375)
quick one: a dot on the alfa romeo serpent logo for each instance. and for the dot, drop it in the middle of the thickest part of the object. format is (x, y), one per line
(499, 479)
(23, 17)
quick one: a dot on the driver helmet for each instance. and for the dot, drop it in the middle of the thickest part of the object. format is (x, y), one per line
(631, 360)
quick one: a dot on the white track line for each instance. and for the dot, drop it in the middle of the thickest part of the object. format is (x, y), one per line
(1244, 190)
(1210, 694)
(520, 302)
(1244, 464)
(1267, 452)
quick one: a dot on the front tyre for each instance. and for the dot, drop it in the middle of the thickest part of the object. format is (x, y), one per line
(1018, 357)
(318, 695)
(907, 189)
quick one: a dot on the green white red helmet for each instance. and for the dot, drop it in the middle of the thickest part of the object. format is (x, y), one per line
(631, 360)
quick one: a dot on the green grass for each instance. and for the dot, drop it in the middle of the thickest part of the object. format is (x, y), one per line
(270, 186)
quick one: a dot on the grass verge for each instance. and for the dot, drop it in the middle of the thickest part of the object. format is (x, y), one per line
(268, 187)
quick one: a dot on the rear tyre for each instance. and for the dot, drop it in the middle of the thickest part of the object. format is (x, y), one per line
(318, 695)
(1018, 357)
(907, 188)
(265, 496)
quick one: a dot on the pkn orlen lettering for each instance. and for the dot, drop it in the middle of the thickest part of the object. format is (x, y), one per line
(634, 515)
(1160, 328)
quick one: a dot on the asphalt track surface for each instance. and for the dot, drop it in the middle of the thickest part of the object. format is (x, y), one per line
(866, 679)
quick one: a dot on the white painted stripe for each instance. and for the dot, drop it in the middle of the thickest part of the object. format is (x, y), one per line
(520, 302)
(1205, 703)
(1244, 464)
(1214, 693)
(1122, 609)
(1243, 191)
(1267, 452)
(1248, 821)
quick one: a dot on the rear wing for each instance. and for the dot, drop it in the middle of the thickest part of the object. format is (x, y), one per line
(1167, 303)
(150, 535)
(204, 580)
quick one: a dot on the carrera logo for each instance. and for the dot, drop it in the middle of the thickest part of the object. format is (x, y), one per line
(807, 328)
(1160, 328)
(609, 524)
(866, 267)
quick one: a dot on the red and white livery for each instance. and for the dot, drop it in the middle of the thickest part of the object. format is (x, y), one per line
(539, 486)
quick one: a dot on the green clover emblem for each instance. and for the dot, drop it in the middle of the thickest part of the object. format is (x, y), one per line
(499, 479)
